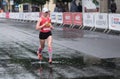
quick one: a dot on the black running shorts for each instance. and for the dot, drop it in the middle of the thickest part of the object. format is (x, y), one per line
(45, 35)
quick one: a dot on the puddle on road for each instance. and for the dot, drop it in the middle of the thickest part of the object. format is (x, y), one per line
(62, 68)
(58, 70)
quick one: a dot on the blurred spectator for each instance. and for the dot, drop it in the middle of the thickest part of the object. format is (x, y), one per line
(59, 7)
(79, 7)
(66, 7)
(113, 6)
(73, 6)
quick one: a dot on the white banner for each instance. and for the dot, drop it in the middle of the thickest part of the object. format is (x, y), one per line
(59, 18)
(26, 16)
(34, 16)
(16, 15)
(21, 16)
(101, 20)
(114, 22)
(53, 17)
(2, 15)
(88, 19)
(11, 15)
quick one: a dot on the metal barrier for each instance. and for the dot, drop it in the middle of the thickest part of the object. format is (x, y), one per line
(94, 21)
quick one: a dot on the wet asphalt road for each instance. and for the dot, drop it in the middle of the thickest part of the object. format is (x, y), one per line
(18, 60)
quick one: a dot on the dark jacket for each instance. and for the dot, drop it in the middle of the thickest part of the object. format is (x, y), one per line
(113, 7)
(58, 9)
(73, 7)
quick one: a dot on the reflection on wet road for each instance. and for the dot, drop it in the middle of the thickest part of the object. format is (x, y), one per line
(18, 59)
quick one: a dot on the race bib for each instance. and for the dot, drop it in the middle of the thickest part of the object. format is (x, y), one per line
(46, 29)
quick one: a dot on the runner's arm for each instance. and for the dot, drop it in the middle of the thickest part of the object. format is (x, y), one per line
(38, 27)
(51, 24)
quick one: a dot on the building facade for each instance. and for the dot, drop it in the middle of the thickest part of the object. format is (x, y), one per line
(104, 5)
(50, 5)
(118, 5)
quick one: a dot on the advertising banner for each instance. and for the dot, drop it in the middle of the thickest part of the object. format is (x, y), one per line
(14, 15)
(101, 20)
(34, 16)
(3, 15)
(59, 17)
(53, 17)
(25, 16)
(0, 15)
(77, 18)
(67, 18)
(21, 16)
(11, 15)
(114, 22)
(17, 15)
(89, 19)
(7, 15)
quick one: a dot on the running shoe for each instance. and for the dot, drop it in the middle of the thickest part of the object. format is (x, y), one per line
(39, 55)
(50, 61)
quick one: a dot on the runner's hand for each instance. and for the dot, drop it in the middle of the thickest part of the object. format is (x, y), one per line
(46, 23)
(52, 27)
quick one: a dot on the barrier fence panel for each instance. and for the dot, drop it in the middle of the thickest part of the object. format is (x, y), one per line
(97, 20)
(89, 19)
(16, 15)
(11, 15)
(59, 18)
(26, 16)
(77, 18)
(67, 18)
(2, 15)
(101, 20)
(34, 16)
(53, 17)
(7, 15)
(21, 16)
(114, 22)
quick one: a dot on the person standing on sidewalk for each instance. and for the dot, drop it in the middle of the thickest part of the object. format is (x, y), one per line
(113, 6)
(45, 27)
